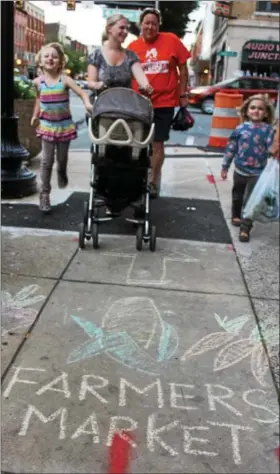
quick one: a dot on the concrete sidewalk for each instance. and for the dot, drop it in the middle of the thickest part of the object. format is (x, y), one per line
(168, 349)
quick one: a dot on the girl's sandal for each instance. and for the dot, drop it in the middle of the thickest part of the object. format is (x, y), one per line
(244, 236)
(236, 221)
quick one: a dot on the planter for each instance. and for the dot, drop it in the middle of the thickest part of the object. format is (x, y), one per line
(26, 133)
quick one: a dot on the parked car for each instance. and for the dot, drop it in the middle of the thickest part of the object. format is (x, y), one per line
(203, 96)
(82, 83)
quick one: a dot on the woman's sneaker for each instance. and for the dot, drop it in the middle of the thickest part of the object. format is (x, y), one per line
(45, 205)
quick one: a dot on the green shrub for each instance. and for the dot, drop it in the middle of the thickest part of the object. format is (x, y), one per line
(24, 89)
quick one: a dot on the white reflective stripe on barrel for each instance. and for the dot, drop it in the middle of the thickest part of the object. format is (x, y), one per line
(220, 132)
(222, 112)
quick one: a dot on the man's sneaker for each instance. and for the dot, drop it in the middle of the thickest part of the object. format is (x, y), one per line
(62, 179)
(45, 205)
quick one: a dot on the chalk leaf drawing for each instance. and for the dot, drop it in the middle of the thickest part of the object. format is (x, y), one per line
(133, 333)
(233, 351)
(14, 309)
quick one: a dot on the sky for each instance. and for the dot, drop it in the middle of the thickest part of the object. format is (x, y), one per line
(87, 24)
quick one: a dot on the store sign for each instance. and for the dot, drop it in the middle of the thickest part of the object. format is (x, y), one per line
(261, 51)
(221, 9)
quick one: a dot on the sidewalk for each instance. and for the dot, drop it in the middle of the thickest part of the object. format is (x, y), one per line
(167, 349)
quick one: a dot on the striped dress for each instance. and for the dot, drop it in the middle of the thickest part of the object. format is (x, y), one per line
(56, 124)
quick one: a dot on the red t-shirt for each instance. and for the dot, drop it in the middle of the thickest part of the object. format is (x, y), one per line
(160, 60)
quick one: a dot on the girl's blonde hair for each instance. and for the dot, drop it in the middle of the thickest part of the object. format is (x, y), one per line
(111, 21)
(268, 105)
(60, 51)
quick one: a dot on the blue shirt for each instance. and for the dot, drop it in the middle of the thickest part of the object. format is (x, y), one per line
(249, 147)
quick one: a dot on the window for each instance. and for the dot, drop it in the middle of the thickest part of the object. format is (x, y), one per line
(266, 85)
(248, 84)
(268, 6)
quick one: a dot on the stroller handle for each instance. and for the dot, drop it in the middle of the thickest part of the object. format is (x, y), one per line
(131, 141)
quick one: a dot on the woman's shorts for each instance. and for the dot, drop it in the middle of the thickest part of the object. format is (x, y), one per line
(163, 117)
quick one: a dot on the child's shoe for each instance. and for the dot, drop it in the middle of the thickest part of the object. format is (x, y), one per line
(236, 221)
(62, 179)
(244, 236)
(45, 205)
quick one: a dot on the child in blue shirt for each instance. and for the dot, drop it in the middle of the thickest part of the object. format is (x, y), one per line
(249, 147)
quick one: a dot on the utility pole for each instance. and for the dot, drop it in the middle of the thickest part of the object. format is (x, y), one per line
(16, 180)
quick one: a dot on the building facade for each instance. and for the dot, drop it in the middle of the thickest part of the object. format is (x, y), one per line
(20, 25)
(79, 47)
(35, 35)
(246, 40)
(56, 32)
(201, 50)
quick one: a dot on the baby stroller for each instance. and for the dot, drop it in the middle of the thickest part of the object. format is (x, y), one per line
(121, 130)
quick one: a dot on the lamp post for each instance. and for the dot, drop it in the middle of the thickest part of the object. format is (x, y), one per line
(16, 180)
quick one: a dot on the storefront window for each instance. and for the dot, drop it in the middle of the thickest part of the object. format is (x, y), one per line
(267, 6)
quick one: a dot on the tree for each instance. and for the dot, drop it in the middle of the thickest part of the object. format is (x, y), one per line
(75, 61)
(175, 17)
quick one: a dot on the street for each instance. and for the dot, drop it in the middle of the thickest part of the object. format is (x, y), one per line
(197, 136)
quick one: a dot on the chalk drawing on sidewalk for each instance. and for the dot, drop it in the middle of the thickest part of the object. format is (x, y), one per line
(15, 309)
(133, 333)
(234, 351)
(156, 273)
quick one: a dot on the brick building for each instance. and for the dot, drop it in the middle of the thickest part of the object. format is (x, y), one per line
(79, 47)
(35, 34)
(250, 30)
(20, 25)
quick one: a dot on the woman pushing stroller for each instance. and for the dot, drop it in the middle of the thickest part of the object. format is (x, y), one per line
(111, 65)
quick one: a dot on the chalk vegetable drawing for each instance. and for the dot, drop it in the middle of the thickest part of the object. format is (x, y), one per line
(15, 311)
(236, 350)
(133, 333)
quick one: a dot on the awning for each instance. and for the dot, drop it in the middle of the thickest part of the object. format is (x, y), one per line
(261, 52)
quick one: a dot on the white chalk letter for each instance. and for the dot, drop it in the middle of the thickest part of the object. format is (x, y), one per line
(85, 387)
(174, 396)
(153, 435)
(268, 420)
(92, 422)
(234, 438)
(62, 412)
(189, 439)
(15, 379)
(215, 398)
(121, 431)
(63, 378)
(124, 383)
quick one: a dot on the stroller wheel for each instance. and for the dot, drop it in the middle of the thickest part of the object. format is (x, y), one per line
(82, 235)
(85, 211)
(95, 236)
(153, 238)
(139, 237)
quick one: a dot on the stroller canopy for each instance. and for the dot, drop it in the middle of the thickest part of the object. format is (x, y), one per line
(123, 103)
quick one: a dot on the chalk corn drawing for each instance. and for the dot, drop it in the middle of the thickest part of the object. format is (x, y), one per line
(15, 311)
(236, 350)
(133, 333)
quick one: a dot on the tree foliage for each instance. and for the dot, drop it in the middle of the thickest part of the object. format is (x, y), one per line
(76, 61)
(175, 17)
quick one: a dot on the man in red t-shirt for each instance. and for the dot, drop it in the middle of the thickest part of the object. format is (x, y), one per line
(163, 57)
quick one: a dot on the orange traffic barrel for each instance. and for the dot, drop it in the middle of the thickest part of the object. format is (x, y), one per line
(225, 118)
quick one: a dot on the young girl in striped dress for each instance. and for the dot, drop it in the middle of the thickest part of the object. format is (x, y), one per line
(56, 127)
